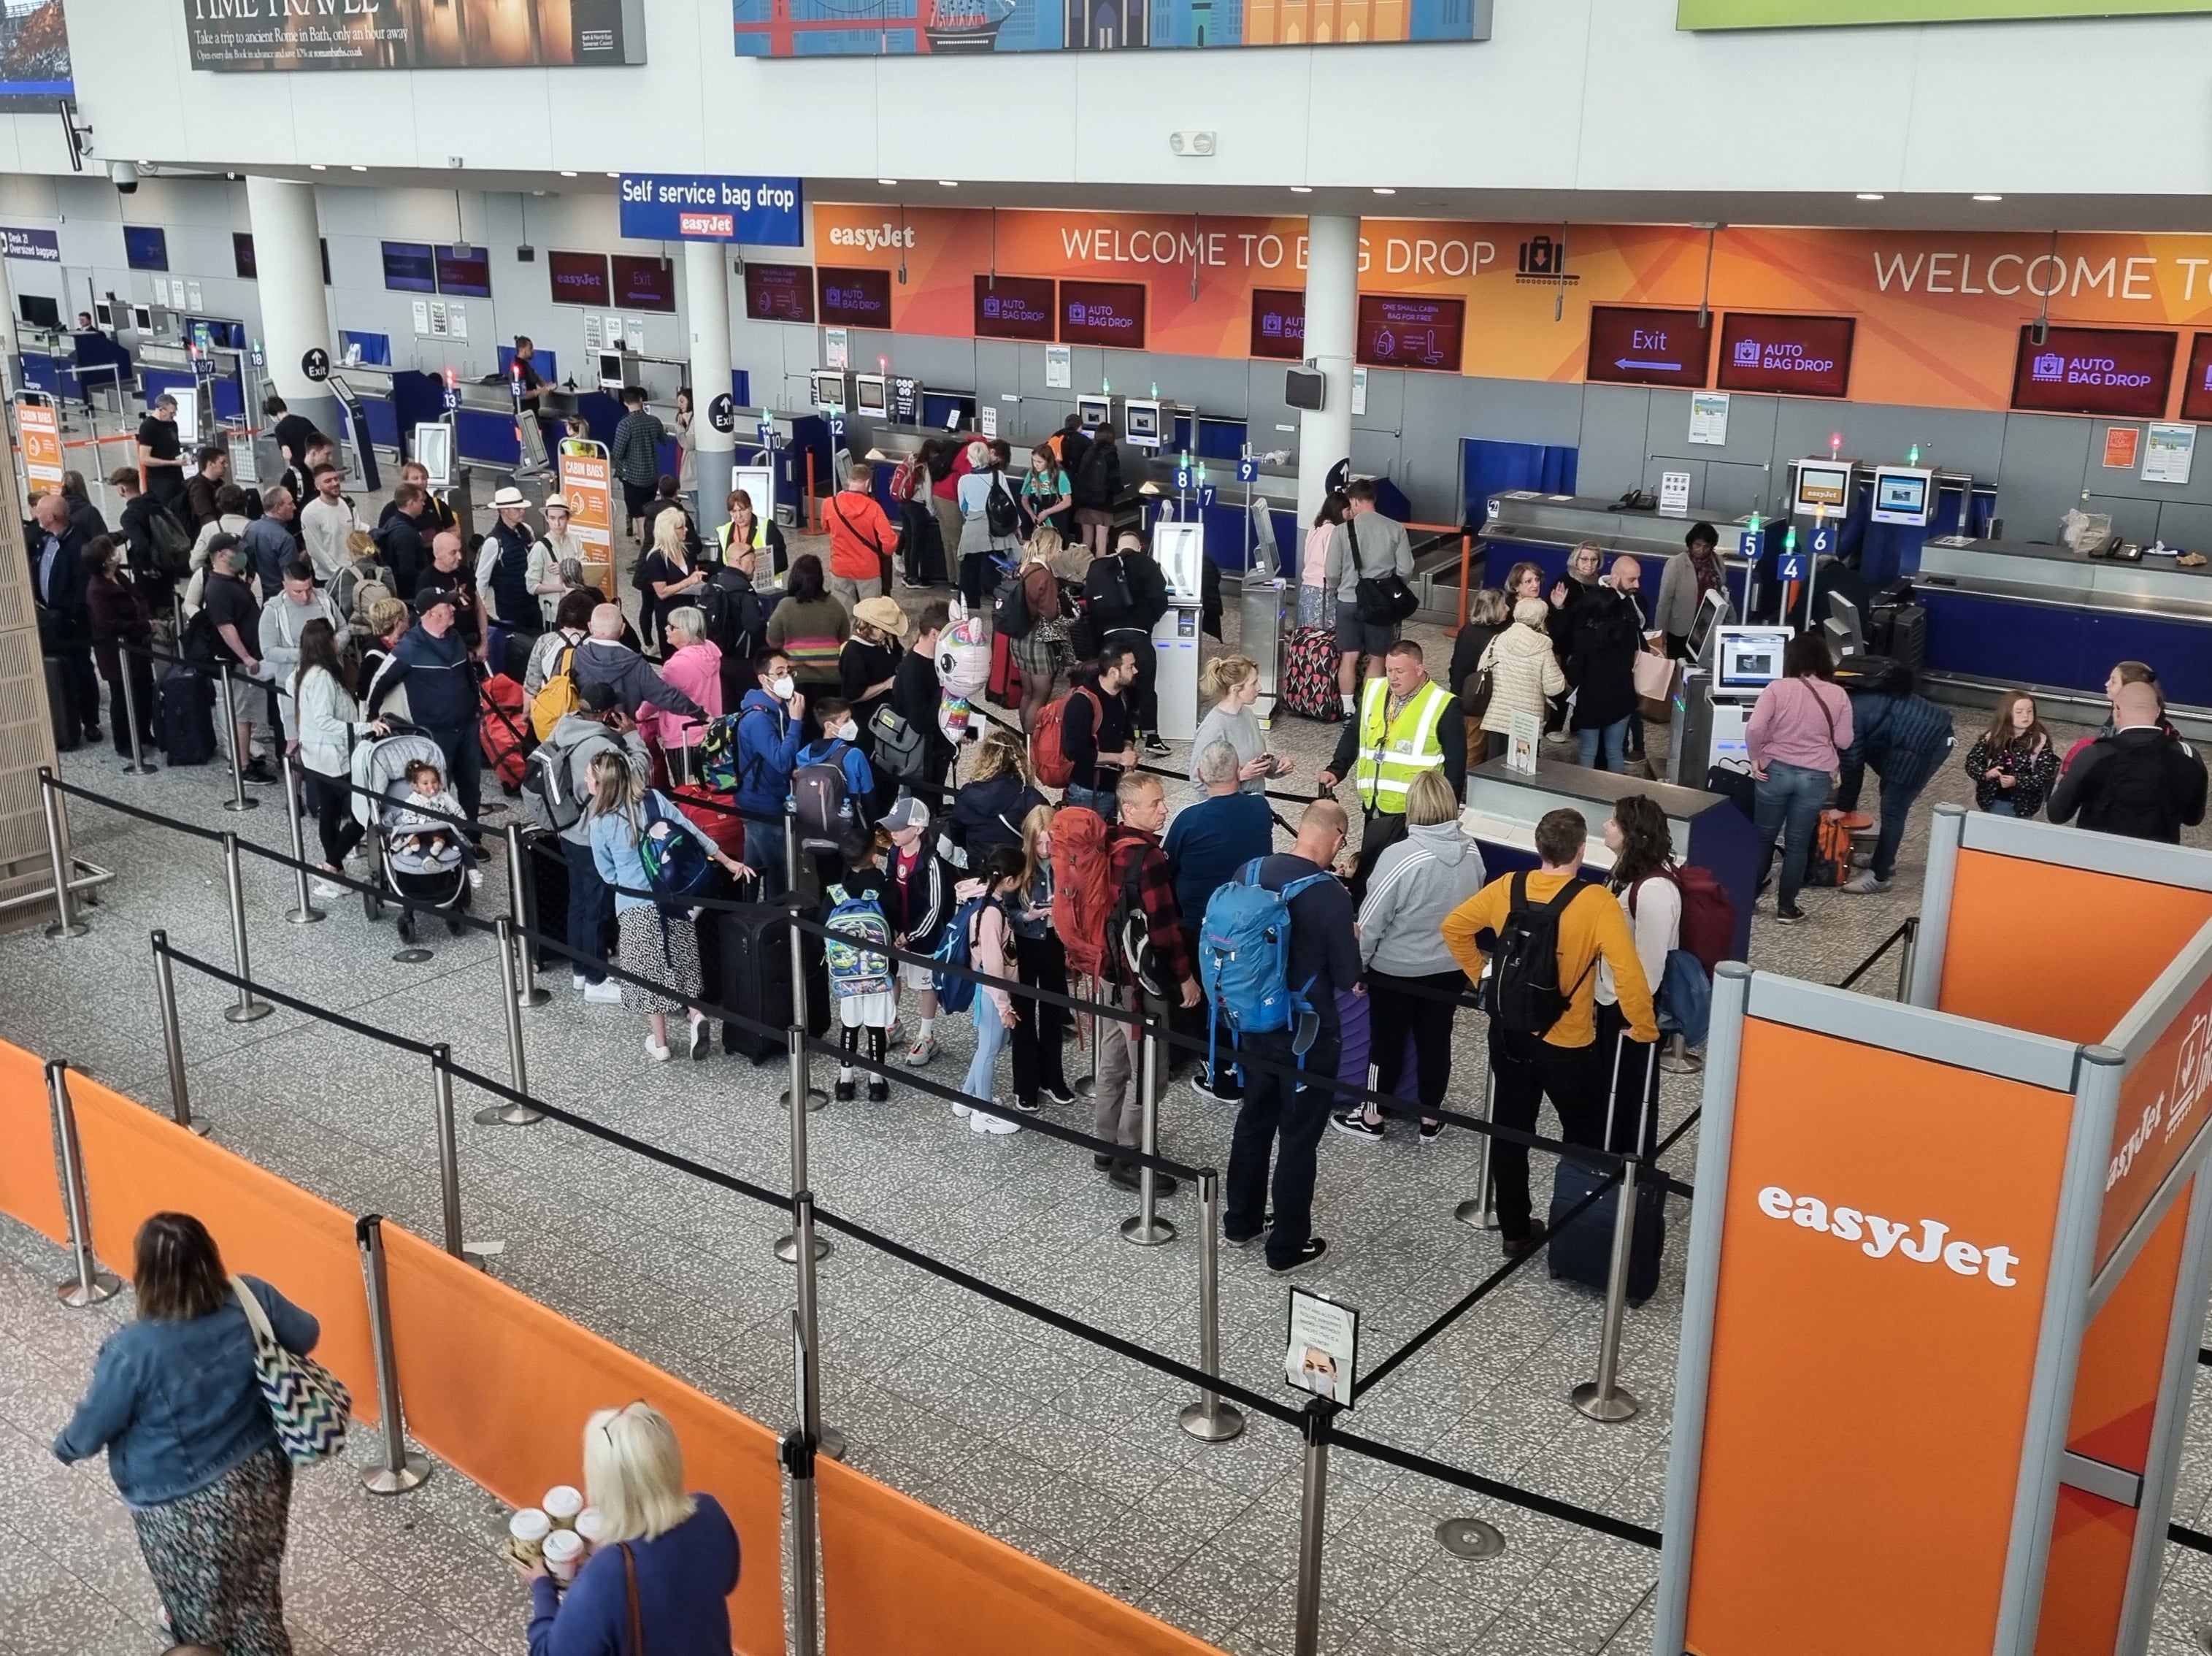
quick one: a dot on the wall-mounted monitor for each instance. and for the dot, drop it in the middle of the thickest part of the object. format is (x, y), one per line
(854, 299)
(145, 247)
(1015, 307)
(1102, 313)
(1410, 331)
(463, 274)
(1632, 345)
(612, 376)
(1303, 388)
(779, 293)
(1824, 487)
(1279, 323)
(647, 285)
(2196, 390)
(1903, 495)
(2122, 371)
(577, 279)
(242, 259)
(409, 267)
(39, 311)
(1791, 356)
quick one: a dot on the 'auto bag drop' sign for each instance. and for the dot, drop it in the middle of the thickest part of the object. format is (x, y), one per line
(763, 212)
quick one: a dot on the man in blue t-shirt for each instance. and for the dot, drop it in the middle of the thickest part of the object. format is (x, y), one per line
(1207, 844)
(1280, 1101)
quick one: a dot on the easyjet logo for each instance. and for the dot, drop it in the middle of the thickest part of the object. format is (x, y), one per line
(1879, 1238)
(871, 237)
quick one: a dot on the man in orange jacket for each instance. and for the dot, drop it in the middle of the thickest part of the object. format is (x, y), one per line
(860, 538)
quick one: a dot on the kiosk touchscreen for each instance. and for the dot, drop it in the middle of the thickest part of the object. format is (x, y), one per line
(1094, 411)
(1180, 549)
(1845, 631)
(141, 317)
(1140, 422)
(39, 311)
(611, 377)
(431, 448)
(1823, 486)
(1748, 660)
(832, 388)
(1712, 610)
(1903, 495)
(103, 315)
(871, 394)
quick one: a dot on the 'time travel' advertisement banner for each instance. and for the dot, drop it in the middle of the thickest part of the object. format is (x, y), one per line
(238, 35)
(1808, 13)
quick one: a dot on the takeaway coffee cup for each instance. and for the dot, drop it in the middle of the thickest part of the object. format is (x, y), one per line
(592, 1526)
(563, 1503)
(564, 1551)
(525, 1535)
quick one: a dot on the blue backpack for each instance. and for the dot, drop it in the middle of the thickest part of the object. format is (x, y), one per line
(676, 867)
(852, 923)
(1244, 961)
(956, 991)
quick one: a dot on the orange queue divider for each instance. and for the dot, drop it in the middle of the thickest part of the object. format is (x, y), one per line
(30, 1182)
(137, 1163)
(898, 1575)
(500, 1387)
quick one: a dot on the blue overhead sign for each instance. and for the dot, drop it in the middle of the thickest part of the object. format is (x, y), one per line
(42, 245)
(712, 207)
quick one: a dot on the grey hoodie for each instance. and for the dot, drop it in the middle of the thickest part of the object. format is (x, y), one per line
(578, 740)
(1416, 883)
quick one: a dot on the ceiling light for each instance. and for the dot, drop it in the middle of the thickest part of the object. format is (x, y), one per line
(890, 183)
(358, 168)
(950, 184)
(1989, 198)
(1384, 189)
(1302, 189)
(568, 173)
(1869, 195)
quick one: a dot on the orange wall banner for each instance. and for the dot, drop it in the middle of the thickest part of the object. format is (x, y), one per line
(137, 1163)
(1856, 1286)
(1938, 314)
(30, 1184)
(502, 1387)
(42, 444)
(900, 1576)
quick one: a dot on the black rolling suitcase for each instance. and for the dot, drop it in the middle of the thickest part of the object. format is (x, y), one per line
(547, 865)
(1582, 1250)
(69, 724)
(187, 716)
(749, 962)
(1908, 637)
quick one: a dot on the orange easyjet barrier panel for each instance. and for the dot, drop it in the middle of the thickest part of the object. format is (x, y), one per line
(899, 1577)
(1857, 1287)
(30, 1185)
(2162, 1107)
(2124, 1354)
(137, 1163)
(500, 1387)
(2085, 1583)
(2099, 941)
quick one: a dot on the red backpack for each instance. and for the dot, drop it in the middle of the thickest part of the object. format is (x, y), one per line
(1082, 888)
(1708, 914)
(1048, 749)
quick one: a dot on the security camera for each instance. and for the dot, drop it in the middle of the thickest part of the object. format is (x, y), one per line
(123, 176)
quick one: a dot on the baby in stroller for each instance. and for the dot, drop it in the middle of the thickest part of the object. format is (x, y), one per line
(419, 833)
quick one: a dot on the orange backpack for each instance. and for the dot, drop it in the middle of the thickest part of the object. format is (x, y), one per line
(1047, 747)
(1082, 888)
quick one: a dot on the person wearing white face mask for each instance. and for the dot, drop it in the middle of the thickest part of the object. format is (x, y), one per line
(838, 745)
(771, 729)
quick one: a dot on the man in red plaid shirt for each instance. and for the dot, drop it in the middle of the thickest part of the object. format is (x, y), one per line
(1145, 962)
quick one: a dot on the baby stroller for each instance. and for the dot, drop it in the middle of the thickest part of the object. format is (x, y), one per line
(416, 857)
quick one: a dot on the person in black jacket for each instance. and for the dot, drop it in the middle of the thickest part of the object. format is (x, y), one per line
(2139, 781)
(143, 546)
(398, 538)
(58, 584)
(1608, 631)
(84, 516)
(1489, 612)
(1127, 593)
(1096, 479)
(917, 696)
(988, 809)
(1094, 729)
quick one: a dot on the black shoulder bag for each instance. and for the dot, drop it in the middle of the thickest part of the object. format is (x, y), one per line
(1379, 601)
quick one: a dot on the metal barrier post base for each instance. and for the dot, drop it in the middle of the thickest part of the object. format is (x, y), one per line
(248, 803)
(532, 996)
(1141, 1232)
(73, 929)
(815, 1098)
(306, 917)
(246, 1012)
(832, 1443)
(1676, 1058)
(507, 1115)
(1476, 1212)
(786, 1249)
(380, 1480)
(1610, 1406)
(1470, 1537)
(1214, 1423)
(106, 1285)
(411, 957)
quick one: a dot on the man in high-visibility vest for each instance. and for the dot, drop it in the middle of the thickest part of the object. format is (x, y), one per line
(1404, 725)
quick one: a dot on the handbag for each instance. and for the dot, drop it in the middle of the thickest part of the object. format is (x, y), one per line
(899, 748)
(1378, 600)
(1476, 702)
(308, 1405)
(1655, 685)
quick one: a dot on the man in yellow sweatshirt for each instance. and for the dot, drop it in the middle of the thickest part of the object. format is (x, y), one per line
(1562, 1062)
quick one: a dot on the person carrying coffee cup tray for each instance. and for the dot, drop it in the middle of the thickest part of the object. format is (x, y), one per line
(676, 1553)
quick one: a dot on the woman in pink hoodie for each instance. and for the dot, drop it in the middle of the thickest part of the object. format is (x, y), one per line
(694, 665)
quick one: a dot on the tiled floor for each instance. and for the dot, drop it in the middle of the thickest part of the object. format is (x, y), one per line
(1062, 1449)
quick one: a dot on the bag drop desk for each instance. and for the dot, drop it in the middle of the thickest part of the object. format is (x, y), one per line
(1503, 807)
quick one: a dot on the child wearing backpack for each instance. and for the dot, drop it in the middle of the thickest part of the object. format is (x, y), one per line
(831, 783)
(980, 930)
(861, 982)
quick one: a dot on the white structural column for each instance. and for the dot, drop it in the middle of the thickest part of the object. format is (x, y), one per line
(294, 313)
(1332, 312)
(707, 298)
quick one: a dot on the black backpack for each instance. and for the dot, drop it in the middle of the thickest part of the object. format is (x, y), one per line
(1525, 996)
(1011, 615)
(1001, 514)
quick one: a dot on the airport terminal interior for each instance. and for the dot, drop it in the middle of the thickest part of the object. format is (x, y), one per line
(1619, 1061)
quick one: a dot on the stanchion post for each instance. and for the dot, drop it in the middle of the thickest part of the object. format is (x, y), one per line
(798, 1097)
(137, 767)
(304, 913)
(247, 1008)
(1603, 1400)
(1313, 1494)
(513, 1112)
(1146, 1228)
(827, 1439)
(1086, 1086)
(66, 924)
(397, 1469)
(798, 1452)
(238, 799)
(449, 1155)
(89, 1285)
(1210, 1419)
(173, 1036)
(518, 903)
(1907, 955)
(1479, 1209)
(801, 1014)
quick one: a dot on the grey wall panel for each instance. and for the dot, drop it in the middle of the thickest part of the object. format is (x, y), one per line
(2132, 519)
(2183, 523)
(2041, 474)
(1615, 422)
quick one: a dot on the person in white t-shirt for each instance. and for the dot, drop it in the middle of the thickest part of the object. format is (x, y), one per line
(1643, 881)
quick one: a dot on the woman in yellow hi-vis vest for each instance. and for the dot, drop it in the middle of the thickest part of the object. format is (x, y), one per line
(1404, 725)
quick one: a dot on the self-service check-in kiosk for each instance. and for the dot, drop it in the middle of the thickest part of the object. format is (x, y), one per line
(1094, 410)
(1180, 548)
(1712, 710)
(871, 396)
(832, 388)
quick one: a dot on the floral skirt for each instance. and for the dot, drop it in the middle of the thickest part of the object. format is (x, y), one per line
(666, 951)
(218, 1558)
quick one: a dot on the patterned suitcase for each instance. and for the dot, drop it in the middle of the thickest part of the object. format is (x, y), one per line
(1310, 676)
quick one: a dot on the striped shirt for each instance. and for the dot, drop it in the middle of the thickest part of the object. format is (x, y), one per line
(811, 633)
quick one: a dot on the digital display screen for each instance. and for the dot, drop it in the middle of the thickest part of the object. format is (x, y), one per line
(1102, 313)
(1279, 323)
(2119, 371)
(1823, 486)
(1633, 346)
(145, 247)
(465, 276)
(644, 283)
(1793, 356)
(1751, 657)
(2196, 394)
(1015, 307)
(868, 394)
(578, 278)
(409, 268)
(1900, 497)
(241, 257)
(780, 293)
(1409, 331)
(854, 299)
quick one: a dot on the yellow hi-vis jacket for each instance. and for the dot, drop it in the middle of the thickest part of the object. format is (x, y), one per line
(1393, 751)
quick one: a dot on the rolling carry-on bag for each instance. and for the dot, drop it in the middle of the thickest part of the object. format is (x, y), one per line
(69, 723)
(187, 716)
(503, 733)
(752, 968)
(546, 866)
(1309, 682)
(1581, 1251)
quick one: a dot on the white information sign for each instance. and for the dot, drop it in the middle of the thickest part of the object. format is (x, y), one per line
(1709, 413)
(1060, 368)
(1673, 494)
(1322, 1355)
(836, 348)
(2168, 452)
